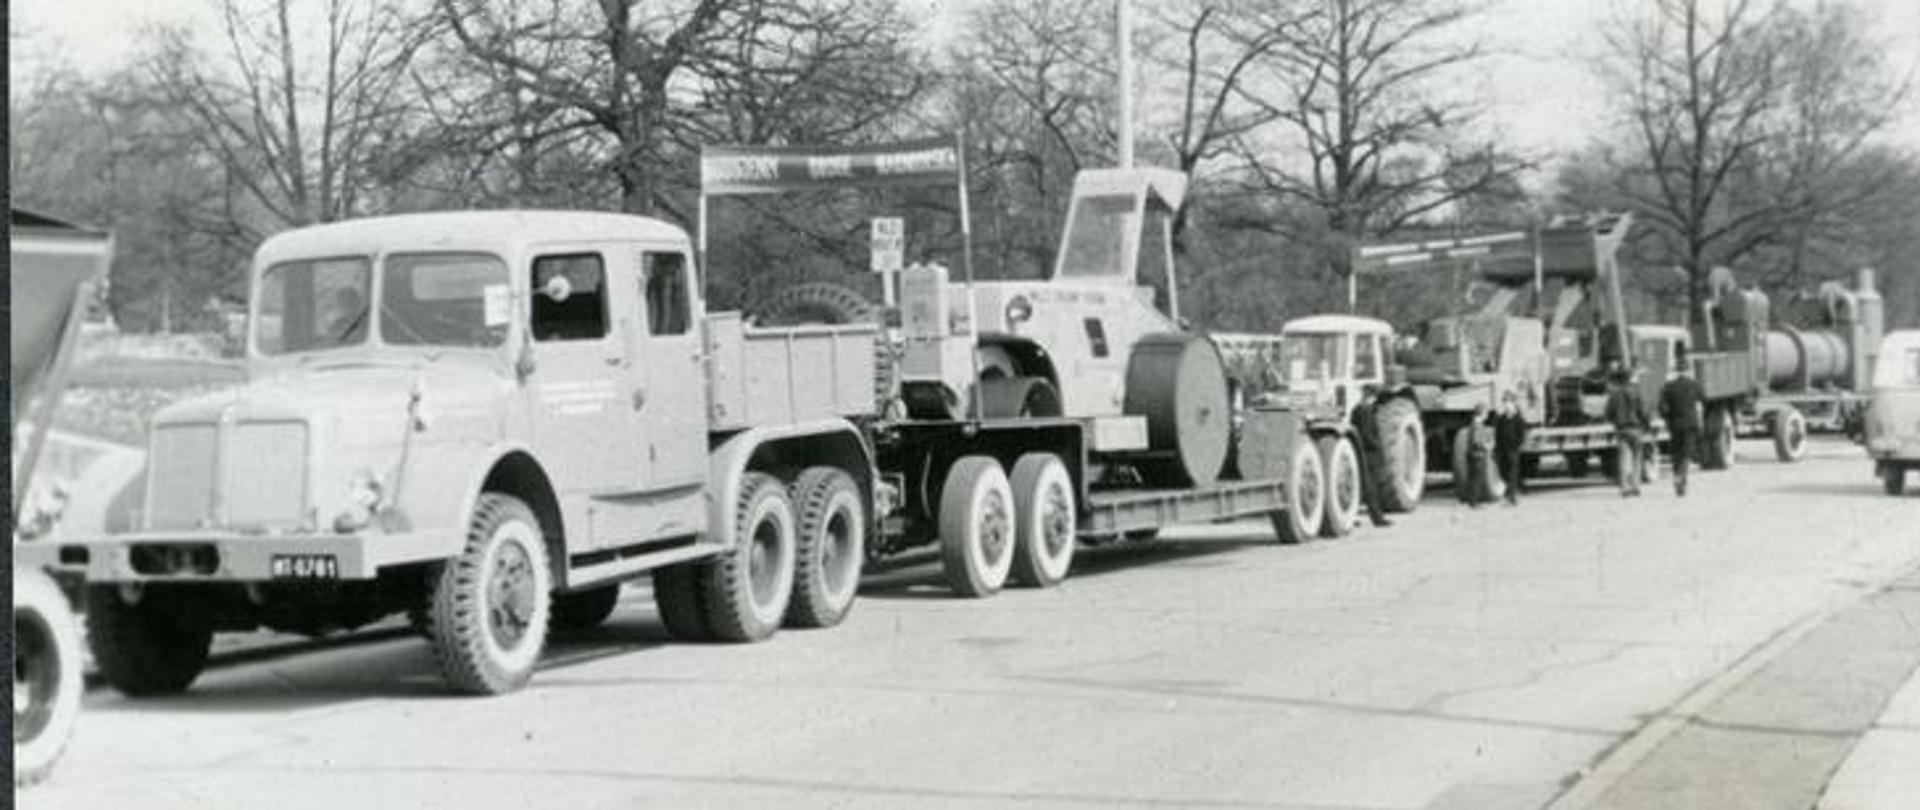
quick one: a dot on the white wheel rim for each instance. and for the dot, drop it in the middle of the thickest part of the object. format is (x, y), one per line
(1053, 517)
(511, 611)
(1307, 485)
(990, 531)
(841, 546)
(1345, 483)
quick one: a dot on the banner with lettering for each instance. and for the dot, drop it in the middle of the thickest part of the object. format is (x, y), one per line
(727, 170)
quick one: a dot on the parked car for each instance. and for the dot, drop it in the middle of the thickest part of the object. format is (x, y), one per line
(1893, 414)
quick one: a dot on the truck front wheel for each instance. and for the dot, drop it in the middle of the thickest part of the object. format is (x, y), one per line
(490, 605)
(976, 527)
(148, 645)
(46, 675)
(832, 547)
(749, 587)
(1043, 504)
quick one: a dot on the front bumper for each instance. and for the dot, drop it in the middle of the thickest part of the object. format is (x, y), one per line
(227, 557)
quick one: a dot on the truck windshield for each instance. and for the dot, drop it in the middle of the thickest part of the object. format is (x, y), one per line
(1097, 237)
(313, 304)
(1310, 356)
(444, 299)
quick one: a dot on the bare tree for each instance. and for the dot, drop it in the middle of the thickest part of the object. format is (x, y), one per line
(1361, 89)
(1752, 129)
(302, 132)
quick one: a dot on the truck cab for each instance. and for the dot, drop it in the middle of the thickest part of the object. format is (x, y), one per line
(486, 420)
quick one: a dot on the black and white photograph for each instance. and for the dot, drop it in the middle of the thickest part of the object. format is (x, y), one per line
(1292, 404)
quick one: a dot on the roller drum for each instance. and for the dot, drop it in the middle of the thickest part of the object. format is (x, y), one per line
(1179, 383)
(1817, 357)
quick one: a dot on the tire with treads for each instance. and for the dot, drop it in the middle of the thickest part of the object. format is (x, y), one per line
(1341, 466)
(1789, 435)
(1403, 447)
(680, 597)
(832, 547)
(817, 302)
(1046, 537)
(146, 648)
(749, 587)
(1306, 485)
(46, 675)
(1179, 383)
(1716, 447)
(583, 610)
(976, 527)
(491, 604)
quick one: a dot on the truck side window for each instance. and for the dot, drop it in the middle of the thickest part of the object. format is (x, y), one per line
(1366, 357)
(569, 297)
(665, 277)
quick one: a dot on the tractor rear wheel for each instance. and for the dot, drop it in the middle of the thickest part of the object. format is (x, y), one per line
(1306, 495)
(1789, 435)
(1403, 448)
(1179, 383)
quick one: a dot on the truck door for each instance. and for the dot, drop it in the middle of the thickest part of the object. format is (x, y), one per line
(583, 425)
(672, 399)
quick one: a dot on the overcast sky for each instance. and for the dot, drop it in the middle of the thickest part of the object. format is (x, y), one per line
(1542, 96)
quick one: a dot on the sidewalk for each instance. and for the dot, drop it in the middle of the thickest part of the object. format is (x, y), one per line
(1883, 770)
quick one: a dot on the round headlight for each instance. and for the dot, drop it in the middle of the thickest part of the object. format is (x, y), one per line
(1019, 310)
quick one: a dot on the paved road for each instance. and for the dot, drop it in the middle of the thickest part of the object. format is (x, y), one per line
(1459, 659)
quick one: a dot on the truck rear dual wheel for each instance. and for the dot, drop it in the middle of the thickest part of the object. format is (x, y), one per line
(1789, 435)
(749, 588)
(1048, 522)
(46, 675)
(977, 527)
(1403, 446)
(1306, 495)
(1341, 466)
(146, 645)
(832, 547)
(491, 605)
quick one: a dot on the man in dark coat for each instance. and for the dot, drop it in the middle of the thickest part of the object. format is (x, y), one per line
(1373, 457)
(1509, 435)
(1680, 406)
(1627, 412)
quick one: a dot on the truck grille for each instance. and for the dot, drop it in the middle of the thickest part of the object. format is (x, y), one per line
(253, 476)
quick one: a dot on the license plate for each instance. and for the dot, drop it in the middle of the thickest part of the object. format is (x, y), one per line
(305, 566)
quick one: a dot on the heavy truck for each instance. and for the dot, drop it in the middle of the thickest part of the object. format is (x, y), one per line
(488, 421)
(55, 269)
(1766, 378)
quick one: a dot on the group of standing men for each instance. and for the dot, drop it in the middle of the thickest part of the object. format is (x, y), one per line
(1681, 404)
(1494, 440)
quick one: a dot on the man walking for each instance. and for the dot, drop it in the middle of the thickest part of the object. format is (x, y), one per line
(1373, 457)
(1509, 435)
(1479, 466)
(1627, 412)
(1680, 406)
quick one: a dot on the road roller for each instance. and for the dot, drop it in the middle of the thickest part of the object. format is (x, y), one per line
(56, 266)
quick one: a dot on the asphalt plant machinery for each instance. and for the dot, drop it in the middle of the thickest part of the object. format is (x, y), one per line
(1549, 329)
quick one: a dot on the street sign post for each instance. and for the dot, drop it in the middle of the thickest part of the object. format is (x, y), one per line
(889, 246)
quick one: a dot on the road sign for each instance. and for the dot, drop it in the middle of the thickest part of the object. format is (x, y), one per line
(889, 244)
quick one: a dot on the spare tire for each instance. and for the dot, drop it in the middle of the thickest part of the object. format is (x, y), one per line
(817, 302)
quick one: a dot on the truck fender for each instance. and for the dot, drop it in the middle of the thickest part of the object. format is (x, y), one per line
(545, 504)
(730, 462)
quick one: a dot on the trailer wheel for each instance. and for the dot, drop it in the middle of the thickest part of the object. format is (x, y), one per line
(976, 527)
(680, 597)
(1717, 450)
(1403, 446)
(1579, 464)
(149, 646)
(1789, 435)
(1894, 478)
(491, 604)
(1306, 495)
(1048, 522)
(832, 547)
(749, 587)
(583, 611)
(46, 675)
(1342, 470)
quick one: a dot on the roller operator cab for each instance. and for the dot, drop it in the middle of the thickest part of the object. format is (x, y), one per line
(487, 421)
(1893, 413)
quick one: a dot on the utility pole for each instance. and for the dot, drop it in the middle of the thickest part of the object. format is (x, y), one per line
(1124, 35)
